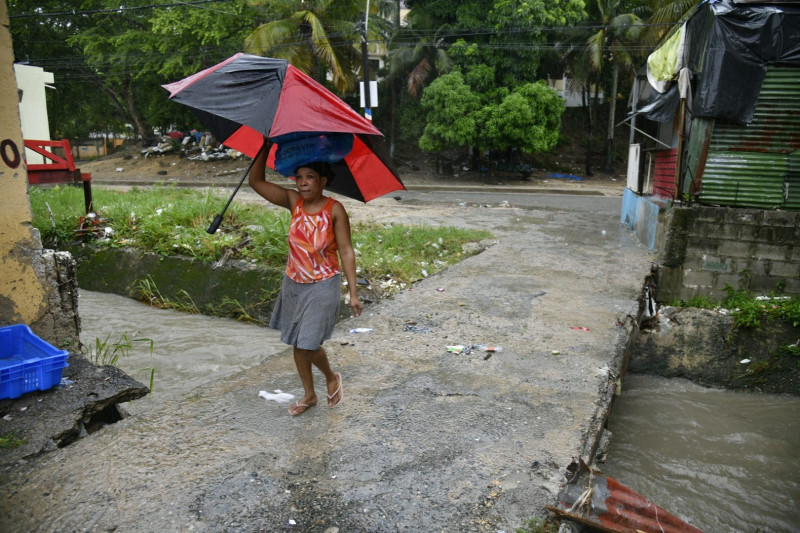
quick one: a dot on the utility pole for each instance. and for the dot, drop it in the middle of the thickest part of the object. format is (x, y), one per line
(365, 66)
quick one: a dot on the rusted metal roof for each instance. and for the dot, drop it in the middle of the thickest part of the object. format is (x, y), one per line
(605, 504)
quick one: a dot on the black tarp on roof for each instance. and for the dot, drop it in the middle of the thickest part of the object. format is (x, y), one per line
(728, 47)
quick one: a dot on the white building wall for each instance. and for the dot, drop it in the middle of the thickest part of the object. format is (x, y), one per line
(31, 83)
(571, 98)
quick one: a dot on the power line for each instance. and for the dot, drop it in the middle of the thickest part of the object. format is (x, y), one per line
(120, 9)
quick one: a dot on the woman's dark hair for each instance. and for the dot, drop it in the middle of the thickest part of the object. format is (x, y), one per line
(321, 168)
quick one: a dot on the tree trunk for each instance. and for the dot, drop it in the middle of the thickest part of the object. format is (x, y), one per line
(139, 122)
(587, 104)
(123, 107)
(612, 108)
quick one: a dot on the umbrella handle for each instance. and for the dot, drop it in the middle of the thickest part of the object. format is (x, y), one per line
(212, 229)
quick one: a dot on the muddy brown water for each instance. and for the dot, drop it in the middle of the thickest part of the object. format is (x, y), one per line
(188, 350)
(721, 460)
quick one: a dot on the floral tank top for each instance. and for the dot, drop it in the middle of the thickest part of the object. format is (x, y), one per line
(312, 244)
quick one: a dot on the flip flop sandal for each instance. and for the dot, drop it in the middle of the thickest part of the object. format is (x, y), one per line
(338, 391)
(302, 406)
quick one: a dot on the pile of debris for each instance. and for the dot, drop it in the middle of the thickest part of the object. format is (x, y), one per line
(196, 145)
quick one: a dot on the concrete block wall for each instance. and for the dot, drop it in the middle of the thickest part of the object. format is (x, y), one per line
(707, 248)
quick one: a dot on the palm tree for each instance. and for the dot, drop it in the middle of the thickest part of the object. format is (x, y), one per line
(319, 37)
(417, 53)
(663, 18)
(614, 44)
(583, 78)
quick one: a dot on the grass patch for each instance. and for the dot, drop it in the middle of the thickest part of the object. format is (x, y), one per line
(172, 221)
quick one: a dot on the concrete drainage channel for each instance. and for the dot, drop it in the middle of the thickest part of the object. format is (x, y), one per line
(220, 290)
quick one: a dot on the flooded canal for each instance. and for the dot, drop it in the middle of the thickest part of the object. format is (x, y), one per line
(188, 350)
(720, 460)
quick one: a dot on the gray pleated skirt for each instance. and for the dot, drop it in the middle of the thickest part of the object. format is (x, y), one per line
(305, 313)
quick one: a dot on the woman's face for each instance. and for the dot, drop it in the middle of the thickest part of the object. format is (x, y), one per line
(309, 183)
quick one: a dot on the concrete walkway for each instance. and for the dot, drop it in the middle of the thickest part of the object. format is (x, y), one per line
(424, 440)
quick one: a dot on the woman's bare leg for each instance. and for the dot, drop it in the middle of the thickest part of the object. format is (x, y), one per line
(303, 360)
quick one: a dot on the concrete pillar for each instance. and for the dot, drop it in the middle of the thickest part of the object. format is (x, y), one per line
(37, 287)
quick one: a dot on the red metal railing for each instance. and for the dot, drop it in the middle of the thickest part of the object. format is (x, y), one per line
(59, 169)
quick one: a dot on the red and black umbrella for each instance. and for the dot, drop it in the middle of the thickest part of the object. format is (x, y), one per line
(246, 98)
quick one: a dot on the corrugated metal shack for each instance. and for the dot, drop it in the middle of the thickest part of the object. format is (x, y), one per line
(735, 123)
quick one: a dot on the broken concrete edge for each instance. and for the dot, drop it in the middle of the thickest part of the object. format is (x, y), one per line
(85, 401)
(596, 438)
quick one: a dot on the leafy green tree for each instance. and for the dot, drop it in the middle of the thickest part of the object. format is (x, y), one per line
(520, 36)
(450, 106)
(509, 35)
(109, 61)
(41, 42)
(528, 120)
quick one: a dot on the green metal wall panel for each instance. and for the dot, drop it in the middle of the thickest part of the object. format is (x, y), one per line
(749, 166)
(744, 179)
(793, 182)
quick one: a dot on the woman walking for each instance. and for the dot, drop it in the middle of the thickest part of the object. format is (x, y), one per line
(306, 310)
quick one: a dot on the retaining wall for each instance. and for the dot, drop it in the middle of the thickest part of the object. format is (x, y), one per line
(214, 290)
(707, 248)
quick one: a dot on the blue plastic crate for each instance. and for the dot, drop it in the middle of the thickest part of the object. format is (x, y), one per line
(27, 363)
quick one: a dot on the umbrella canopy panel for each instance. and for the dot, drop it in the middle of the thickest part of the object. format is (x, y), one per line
(246, 98)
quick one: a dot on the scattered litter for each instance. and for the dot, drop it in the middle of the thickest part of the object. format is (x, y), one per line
(416, 329)
(603, 232)
(468, 348)
(119, 169)
(65, 382)
(579, 328)
(572, 177)
(485, 348)
(440, 289)
(555, 352)
(744, 361)
(361, 330)
(277, 396)
(424, 273)
(8, 418)
(292, 522)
